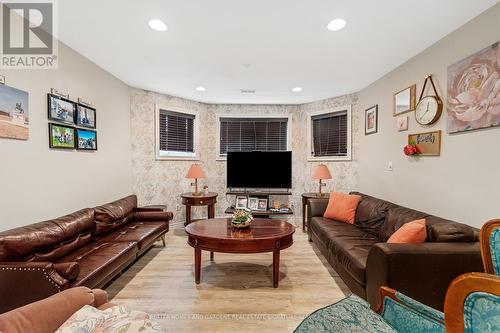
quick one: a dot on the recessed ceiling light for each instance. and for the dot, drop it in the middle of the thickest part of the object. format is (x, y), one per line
(337, 24)
(297, 89)
(157, 24)
(200, 89)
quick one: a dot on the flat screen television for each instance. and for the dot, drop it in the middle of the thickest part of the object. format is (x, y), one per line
(258, 169)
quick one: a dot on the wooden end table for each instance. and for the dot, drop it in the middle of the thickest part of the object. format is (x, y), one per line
(218, 235)
(209, 200)
(305, 202)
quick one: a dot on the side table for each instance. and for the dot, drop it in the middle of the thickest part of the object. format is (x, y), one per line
(209, 200)
(305, 201)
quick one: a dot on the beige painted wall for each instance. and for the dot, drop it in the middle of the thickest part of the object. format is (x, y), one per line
(463, 183)
(38, 183)
(163, 181)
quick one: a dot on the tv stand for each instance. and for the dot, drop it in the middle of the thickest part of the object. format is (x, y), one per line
(259, 193)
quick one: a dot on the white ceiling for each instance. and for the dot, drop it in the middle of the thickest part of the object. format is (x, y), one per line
(285, 42)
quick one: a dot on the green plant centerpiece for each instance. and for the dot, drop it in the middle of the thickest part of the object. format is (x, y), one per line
(242, 218)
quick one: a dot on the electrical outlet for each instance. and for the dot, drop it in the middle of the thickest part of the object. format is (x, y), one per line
(389, 166)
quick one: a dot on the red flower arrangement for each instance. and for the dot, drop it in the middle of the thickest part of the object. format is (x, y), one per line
(411, 150)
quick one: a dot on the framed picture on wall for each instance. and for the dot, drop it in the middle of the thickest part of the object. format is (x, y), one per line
(86, 139)
(61, 137)
(85, 116)
(61, 109)
(402, 123)
(371, 120)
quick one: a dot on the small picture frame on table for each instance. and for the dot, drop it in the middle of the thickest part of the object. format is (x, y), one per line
(253, 203)
(262, 204)
(241, 202)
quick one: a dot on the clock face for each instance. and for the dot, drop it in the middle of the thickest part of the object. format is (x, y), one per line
(428, 110)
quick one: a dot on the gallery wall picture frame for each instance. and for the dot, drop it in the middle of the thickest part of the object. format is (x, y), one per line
(86, 139)
(2, 79)
(14, 113)
(404, 100)
(61, 109)
(241, 202)
(61, 136)
(371, 120)
(428, 143)
(86, 116)
(402, 123)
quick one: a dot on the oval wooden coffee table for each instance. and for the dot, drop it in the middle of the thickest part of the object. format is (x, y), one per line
(217, 235)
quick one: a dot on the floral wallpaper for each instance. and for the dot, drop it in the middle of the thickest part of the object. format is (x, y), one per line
(161, 182)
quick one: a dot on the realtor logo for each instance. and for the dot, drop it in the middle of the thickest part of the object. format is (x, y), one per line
(27, 34)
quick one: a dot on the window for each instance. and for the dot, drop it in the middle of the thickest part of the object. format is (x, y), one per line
(330, 134)
(249, 134)
(176, 133)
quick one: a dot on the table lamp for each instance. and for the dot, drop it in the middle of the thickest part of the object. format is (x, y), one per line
(195, 172)
(321, 172)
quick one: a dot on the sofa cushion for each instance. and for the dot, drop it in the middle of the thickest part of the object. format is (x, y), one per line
(413, 232)
(99, 260)
(342, 207)
(442, 230)
(346, 243)
(371, 213)
(144, 233)
(112, 215)
(395, 218)
(50, 239)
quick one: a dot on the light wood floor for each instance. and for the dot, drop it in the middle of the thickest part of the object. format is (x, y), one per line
(235, 294)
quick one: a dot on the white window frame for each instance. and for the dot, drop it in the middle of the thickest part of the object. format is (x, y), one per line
(219, 157)
(171, 155)
(348, 157)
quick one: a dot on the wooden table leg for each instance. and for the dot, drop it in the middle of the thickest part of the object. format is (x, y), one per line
(276, 268)
(188, 215)
(211, 256)
(197, 264)
(304, 205)
(211, 211)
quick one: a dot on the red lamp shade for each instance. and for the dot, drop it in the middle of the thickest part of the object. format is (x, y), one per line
(322, 172)
(195, 172)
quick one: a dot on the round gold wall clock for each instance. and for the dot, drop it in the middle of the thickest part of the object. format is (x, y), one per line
(429, 108)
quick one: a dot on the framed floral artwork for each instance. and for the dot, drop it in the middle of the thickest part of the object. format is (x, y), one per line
(474, 91)
(371, 120)
(402, 123)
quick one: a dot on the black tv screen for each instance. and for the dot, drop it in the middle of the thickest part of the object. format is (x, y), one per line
(259, 169)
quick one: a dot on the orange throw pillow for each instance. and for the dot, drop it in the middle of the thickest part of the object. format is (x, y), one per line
(411, 232)
(342, 207)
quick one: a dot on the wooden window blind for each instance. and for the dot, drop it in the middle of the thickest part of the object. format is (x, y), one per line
(176, 131)
(329, 134)
(249, 134)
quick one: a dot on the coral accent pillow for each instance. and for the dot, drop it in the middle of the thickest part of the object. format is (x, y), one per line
(411, 232)
(342, 207)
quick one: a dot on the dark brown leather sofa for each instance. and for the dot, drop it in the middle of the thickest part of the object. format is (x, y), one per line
(86, 248)
(360, 254)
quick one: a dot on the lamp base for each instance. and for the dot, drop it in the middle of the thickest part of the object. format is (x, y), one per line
(320, 195)
(196, 194)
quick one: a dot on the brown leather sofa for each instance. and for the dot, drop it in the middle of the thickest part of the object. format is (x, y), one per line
(86, 248)
(360, 254)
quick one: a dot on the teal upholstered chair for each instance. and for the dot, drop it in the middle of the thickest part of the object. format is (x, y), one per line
(490, 246)
(472, 304)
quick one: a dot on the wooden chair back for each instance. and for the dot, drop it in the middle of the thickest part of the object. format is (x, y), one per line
(490, 246)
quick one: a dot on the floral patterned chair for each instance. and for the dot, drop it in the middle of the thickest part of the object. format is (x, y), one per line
(472, 304)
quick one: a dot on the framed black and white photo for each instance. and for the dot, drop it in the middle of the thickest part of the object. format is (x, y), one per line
(371, 120)
(241, 201)
(253, 203)
(61, 109)
(262, 204)
(85, 116)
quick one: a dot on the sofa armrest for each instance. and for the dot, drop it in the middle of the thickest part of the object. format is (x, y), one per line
(152, 216)
(48, 314)
(402, 312)
(316, 207)
(152, 208)
(420, 271)
(26, 282)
